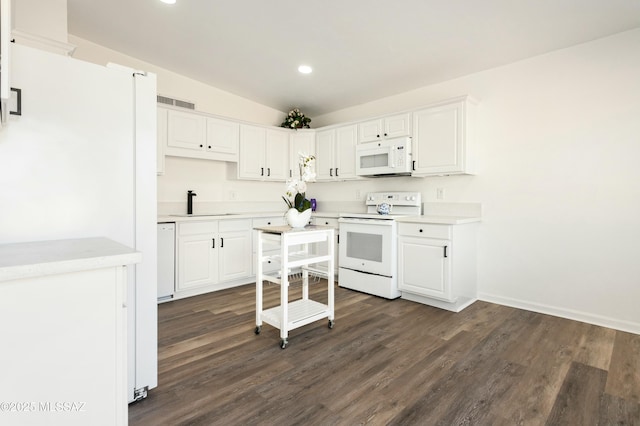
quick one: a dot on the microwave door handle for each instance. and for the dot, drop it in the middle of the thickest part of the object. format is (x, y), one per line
(392, 156)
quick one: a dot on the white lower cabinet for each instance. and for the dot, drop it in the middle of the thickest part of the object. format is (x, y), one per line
(235, 243)
(437, 264)
(63, 316)
(197, 258)
(212, 254)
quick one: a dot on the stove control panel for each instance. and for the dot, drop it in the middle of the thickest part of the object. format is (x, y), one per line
(412, 199)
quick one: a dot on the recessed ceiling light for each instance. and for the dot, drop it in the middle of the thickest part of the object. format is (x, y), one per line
(168, 1)
(305, 69)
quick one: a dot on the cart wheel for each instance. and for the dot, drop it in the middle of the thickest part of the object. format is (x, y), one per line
(283, 343)
(331, 322)
(258, 329)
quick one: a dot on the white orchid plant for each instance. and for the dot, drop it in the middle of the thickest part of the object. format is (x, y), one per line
(297, 187)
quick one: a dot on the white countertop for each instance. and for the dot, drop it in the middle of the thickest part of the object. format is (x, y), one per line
(436, 219)
(286, 228)
(216, 216)
(40, 258)
(231, 216)
(442, 220)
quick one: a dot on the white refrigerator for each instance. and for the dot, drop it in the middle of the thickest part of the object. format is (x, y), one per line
(80, 161)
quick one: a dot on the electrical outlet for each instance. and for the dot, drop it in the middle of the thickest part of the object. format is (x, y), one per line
(233, 195)
(440, 193)
(358, 194)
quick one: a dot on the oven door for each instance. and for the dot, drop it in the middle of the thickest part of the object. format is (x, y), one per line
(368, 245)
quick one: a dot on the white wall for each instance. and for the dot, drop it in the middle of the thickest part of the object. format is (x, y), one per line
(207, 99)
(558, 177)
(50, 22)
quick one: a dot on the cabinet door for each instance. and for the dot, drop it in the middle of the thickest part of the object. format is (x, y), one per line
(345, 152)
(277, 155)
(197, 260)
(162, 139)
(424, 267)
(438, 140)
(300, 142)
(222, 136)
(186, 130)
(325, 167)
(234, 259)
(396, 126)
(62, 342)
(251, 162)
(369, 131)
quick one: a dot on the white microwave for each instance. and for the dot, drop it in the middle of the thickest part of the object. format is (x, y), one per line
(384, 158)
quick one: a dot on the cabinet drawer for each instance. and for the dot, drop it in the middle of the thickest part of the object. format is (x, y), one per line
(272, 264)
(234, 225)
(268, 221)
(194, 228)
(427, 230)
(326, 221)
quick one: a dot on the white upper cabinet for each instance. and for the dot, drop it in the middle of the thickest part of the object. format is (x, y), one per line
(442, 139)
(222, 136)
(264, 153)
(336, 153)
(186, 131)
(325, 155)
(302, 141)
(345, 152)
(194, 135)
(392, 126)
(441, 142)
(277, 154)
(252, 146)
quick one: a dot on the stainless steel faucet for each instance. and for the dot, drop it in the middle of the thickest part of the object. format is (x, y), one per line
(190, 195)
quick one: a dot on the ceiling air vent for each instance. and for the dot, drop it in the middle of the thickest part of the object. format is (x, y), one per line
(175, 102)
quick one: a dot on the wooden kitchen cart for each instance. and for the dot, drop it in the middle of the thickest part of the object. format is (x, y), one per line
(296, 253)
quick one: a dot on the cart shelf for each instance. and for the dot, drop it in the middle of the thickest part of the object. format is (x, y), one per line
(290, 315)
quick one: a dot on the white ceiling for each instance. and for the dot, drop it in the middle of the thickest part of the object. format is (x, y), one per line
(360, 50)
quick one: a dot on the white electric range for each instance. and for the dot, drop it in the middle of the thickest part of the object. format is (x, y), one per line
(368, 246)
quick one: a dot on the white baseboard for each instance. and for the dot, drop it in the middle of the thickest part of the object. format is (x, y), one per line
(622, 325)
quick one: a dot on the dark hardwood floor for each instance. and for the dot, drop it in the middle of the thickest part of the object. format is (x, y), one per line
(387, 362)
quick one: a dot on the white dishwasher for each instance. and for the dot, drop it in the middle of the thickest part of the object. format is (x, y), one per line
(166, 260)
